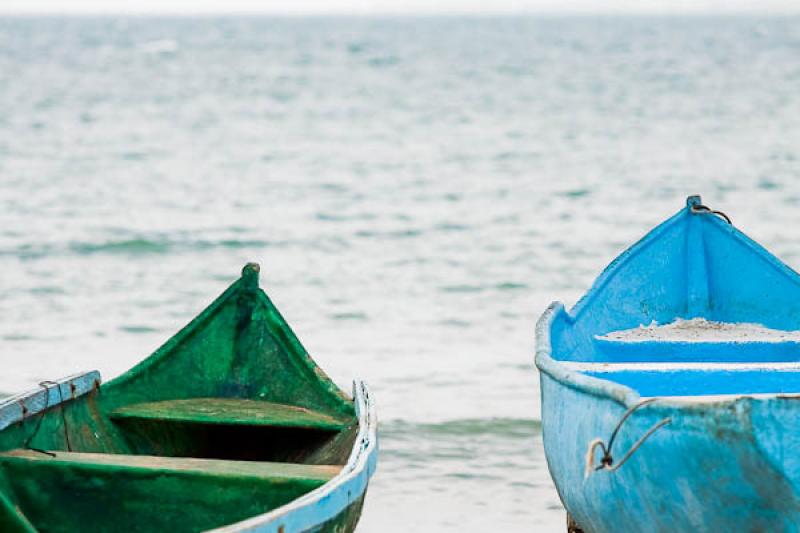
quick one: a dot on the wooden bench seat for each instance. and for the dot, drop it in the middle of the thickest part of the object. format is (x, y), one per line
(222, 467)
(229, 411)
(57, 491)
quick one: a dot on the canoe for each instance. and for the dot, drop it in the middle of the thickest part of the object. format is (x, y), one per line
(229, 426)
(670, 390)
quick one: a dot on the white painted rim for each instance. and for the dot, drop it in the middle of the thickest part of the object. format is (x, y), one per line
(605, 367)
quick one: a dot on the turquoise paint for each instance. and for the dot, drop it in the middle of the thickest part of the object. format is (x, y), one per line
(706, 382)
(723, 463)
(719, 352)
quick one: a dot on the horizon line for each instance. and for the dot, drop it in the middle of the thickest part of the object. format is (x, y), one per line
(774, 11)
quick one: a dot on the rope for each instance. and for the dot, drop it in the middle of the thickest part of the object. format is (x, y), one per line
(607, 460)
(46, 385)
(590, 456)
(700, 208)
(27, 443)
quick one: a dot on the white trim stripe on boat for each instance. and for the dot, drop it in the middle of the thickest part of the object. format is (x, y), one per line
(793, 366)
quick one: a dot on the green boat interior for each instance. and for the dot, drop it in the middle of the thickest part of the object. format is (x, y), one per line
(229, 419)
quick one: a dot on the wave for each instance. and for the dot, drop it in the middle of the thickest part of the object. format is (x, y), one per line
(467, 288)
(159, 47)
(515, 428)
(135, 246)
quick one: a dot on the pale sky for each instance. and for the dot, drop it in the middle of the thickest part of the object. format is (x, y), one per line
(367, 7)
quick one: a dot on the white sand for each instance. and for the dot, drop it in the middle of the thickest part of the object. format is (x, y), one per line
(702, 330)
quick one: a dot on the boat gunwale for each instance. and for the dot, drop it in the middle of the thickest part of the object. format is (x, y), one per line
(621, 394)
(50, 394)
(337, 494)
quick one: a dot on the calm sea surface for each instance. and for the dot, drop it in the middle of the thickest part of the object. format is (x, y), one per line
(416, 191)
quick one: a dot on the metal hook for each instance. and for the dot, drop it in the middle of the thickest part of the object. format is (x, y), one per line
(700, 208)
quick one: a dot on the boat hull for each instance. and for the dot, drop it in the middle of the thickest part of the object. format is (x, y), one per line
(720, 466)
(229, 426)
(677, 435)
(344, 522)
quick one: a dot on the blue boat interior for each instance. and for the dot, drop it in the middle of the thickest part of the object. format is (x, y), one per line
(694, 265)
(713, 382)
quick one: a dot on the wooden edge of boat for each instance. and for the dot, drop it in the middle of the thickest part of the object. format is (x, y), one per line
(332, 499)
(52, 393)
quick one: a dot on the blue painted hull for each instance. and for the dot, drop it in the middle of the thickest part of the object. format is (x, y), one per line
(722, 470)
(727, 456)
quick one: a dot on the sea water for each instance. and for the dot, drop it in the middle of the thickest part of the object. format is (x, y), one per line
(417, 190)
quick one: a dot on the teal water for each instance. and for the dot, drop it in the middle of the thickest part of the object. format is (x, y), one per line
(416, 190)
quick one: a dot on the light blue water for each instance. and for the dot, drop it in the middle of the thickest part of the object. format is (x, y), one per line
(416, 191)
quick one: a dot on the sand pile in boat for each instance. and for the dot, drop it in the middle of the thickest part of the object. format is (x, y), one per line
(702, 330)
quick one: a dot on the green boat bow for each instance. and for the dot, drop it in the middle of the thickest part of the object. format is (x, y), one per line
(230, 424)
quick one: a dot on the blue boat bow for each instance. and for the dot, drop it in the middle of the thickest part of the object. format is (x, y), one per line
(649, 433)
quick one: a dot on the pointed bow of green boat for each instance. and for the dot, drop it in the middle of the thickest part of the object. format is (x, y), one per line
(229, 426)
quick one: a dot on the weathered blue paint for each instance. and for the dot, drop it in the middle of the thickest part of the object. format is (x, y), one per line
(728, 459)
(309, 512)
(50, 394)
(705, 382)
(722, 352)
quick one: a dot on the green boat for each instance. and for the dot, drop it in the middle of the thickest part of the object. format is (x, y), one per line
(229, 426)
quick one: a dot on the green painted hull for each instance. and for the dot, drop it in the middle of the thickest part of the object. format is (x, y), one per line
(229, 420)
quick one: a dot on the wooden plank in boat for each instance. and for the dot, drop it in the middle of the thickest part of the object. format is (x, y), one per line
(319, 473)
(229, 411)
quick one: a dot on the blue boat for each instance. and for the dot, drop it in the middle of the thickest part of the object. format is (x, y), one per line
(671, 391)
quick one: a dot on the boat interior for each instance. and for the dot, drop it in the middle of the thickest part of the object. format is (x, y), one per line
(699, 358)
(228, 420)
(695, 308)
